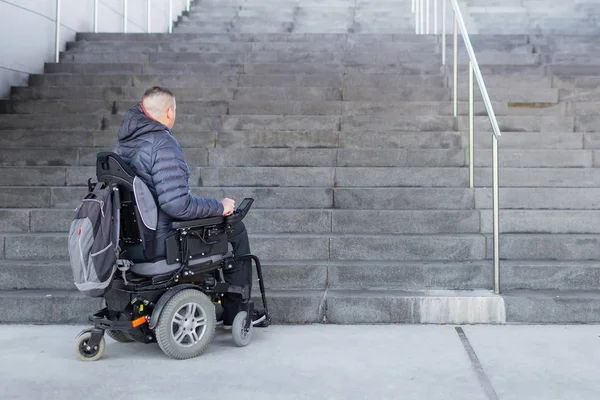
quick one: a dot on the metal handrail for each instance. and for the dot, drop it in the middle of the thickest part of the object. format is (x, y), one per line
(459, 24)
(57, 20)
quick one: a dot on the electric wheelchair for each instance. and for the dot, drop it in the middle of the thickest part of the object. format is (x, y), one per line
(176, 301)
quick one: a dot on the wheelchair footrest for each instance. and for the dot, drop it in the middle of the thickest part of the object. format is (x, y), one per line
(101, 320)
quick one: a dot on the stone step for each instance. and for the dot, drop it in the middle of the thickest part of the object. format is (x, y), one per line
(68, 306)
(353, 45)
(578, 95)
(401, 56)
(181, 68)
(428, 123)
(276, 247)
(349, 306)
(536, 140)
(182, 94)
(482, 139)
(500, 94)
(259, 221)
(221, 80)
(441, 123)
(174, 68)
(31, 274)
(567, 247)
(543, 221)
(103, 140)
(280, 197)
(289, 176)
(572, 59)
(576, 82)
(487, 46)
(67, 122)
(207, 80)
(332, 157)
(541, 177)
(572, 70)
(276, 37)
(56, 107)
(287, 221)
(407, 275)
(254, 157)
(270, 197)
(507, 95)
(285, 80)
(126, 80)
(383, 198)
(421, 306)
(514, 94)
(530, 124)
(306, 306)
(191, 123)
(559, 158)
(552, 306)
(183, 47)
(542, 198)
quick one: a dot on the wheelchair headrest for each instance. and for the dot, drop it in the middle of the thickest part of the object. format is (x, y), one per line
(110, 168)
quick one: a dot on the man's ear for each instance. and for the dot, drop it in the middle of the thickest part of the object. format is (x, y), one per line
(170, 113)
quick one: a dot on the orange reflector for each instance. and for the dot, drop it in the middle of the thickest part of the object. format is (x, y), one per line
(138, 322)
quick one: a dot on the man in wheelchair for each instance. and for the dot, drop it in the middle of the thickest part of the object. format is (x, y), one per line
(184, 262)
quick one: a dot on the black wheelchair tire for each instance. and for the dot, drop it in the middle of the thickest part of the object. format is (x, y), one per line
(118, 336)
(164, 328)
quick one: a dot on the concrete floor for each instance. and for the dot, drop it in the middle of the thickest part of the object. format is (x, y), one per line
(314, 362)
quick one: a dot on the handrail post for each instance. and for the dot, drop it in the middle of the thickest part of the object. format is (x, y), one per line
(471, 128)
(57, 33)
(170, 16)
(149, 15)
(422, 19)
(188, 5)
(435, 17)
(444, 32)
(95, 16)
(124, 16)
(455, 80)
(427, 17)
(417, 16)
(496, 214)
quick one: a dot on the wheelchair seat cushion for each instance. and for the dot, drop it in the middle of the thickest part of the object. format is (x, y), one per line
(150, 269)
(161, 267)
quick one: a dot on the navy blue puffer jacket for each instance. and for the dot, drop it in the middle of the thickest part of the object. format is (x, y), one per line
(150, 149)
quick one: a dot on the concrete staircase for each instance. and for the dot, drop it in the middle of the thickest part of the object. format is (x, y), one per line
(346, 141)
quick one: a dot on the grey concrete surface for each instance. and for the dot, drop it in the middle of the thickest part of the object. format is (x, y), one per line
(313, 362)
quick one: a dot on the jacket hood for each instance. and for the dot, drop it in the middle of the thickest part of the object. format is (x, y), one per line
(137, 123)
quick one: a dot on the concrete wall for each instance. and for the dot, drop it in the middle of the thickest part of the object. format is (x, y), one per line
(27, 30)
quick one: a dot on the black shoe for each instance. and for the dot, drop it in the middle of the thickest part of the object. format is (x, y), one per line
(258, 316)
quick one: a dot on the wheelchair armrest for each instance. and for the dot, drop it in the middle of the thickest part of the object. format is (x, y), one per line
(236, 217)
(197, 223)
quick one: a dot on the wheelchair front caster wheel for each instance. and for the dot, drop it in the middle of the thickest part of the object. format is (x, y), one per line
(241, 335)
(85, 352)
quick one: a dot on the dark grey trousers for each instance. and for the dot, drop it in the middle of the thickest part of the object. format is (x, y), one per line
(239, 275)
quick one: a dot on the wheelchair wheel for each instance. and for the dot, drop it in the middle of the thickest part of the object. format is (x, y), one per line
(241, 335)
(87, 353)
(121, 337)
(186, 325)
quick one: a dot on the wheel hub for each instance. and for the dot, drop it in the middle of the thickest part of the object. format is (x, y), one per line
(189, 324)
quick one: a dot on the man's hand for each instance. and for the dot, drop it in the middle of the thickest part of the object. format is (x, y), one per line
(228, 206)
